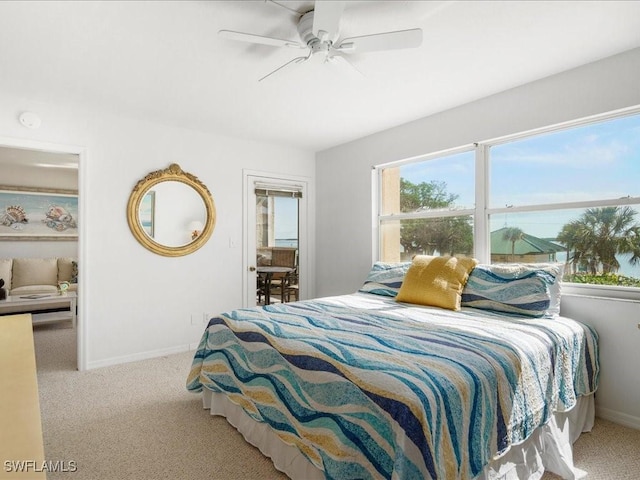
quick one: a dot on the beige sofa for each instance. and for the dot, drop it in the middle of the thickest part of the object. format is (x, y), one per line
(27, 276)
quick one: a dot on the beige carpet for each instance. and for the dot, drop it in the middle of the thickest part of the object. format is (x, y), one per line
(137, 421)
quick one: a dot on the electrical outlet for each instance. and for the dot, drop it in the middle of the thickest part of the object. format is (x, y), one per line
(205, 318)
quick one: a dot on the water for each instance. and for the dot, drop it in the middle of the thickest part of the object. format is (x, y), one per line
(287, 242)
(625, 269)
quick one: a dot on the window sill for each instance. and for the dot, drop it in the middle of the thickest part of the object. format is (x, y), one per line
(608, 292)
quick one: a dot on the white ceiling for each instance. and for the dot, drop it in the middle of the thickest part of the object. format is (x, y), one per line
(34, 158)
(163, 61)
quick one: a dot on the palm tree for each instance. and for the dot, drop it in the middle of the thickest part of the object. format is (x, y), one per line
(513, 234)
(599, 235)
(578, 236)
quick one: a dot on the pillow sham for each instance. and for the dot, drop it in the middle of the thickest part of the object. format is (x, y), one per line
(525, 289)
(385, 278)
(555, 289)
(436, 281)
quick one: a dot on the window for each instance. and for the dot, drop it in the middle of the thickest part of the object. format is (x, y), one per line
(569, 195)
(427, 207)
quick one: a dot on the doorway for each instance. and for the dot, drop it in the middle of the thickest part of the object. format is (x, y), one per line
(41, 167)
(275, 241)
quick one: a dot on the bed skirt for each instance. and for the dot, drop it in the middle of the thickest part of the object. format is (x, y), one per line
(549, 448)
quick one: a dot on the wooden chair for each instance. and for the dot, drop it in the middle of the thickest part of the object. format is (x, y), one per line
(281, 283)
(263, 257)
(291, 287)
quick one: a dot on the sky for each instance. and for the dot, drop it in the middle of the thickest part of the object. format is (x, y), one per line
(591, 162)
(286, 218)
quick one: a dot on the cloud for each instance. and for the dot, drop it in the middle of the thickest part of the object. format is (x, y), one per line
(588, 153)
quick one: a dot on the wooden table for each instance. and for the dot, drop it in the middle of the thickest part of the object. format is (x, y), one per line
(53, 300)
(267, 272)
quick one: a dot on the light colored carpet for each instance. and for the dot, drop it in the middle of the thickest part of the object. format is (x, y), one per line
(137, 421)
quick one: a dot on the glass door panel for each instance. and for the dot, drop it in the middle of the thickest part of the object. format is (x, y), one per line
(277, 238)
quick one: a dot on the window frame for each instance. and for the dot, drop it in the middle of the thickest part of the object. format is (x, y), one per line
(482, 210)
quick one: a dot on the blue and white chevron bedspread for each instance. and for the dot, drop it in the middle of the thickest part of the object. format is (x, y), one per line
(369, 388)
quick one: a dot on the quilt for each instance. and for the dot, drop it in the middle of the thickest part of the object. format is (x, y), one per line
(366, 387)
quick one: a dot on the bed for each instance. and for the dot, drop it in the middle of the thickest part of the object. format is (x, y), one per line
(364, 386)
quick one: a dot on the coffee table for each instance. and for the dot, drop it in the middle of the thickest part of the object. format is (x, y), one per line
(26, 302)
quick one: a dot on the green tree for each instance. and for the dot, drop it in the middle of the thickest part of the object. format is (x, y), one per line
(594, 240)
(570, 236)
(425, 195)
(453, 235)
(446, 235)
(513, 234)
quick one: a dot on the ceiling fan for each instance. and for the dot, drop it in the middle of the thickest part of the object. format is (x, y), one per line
(319, 31)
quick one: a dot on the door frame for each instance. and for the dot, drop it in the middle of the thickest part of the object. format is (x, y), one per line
(249, 277)
(81, 324)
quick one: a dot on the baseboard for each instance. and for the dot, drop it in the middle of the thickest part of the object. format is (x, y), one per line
(107, 362)
(618, 417)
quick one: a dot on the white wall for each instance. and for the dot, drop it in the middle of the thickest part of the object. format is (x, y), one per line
(344, 214)
(135, 304)
(39, 249)
(617, 323)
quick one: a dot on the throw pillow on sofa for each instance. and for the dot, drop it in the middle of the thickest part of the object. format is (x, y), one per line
(5, 271)
(34, 271)
(67, 270)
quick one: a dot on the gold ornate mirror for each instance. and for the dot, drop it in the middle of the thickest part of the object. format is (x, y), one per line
(171, 212)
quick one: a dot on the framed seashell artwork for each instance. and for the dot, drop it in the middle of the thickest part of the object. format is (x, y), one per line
(38, 214)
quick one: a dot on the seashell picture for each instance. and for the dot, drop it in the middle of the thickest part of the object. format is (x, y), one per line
(38, 214)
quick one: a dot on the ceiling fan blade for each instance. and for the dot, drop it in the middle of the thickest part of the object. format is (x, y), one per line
(339, 59)
(326, 19)
(252, 38)
(290, 62)
(382, 41)
(288, 9)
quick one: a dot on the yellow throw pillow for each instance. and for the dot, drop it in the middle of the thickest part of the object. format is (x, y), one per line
(436, 281)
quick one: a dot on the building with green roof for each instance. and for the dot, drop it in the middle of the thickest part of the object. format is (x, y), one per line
(526, 249)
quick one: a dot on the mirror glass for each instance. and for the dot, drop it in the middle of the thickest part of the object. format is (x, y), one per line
(171, 212)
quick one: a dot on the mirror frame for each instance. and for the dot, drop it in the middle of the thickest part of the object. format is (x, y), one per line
(172, 173)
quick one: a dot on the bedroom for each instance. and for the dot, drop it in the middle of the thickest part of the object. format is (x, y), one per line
(118, 146)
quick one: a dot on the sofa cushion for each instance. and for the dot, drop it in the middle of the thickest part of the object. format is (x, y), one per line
(34, 289)
(34, 271)
(5, 271)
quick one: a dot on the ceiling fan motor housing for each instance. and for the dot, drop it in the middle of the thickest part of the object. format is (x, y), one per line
(305, 30)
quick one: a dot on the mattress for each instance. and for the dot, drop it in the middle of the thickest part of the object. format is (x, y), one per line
(365, 387)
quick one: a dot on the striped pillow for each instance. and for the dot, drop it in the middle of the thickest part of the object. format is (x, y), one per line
(511, 288)
(385, 278)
